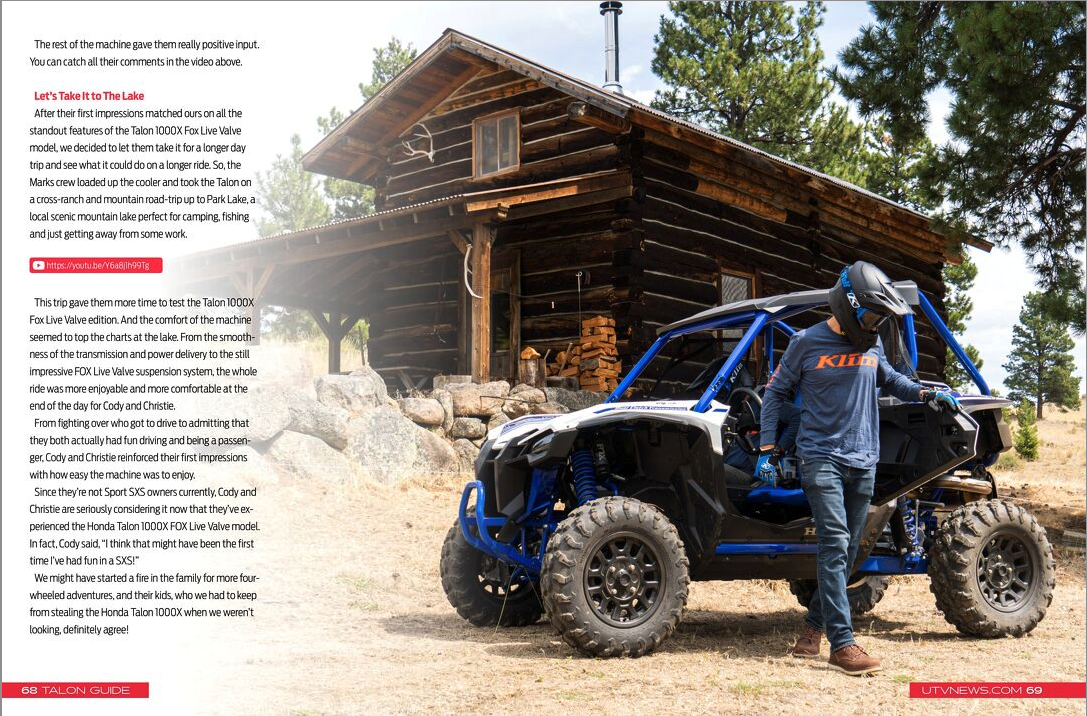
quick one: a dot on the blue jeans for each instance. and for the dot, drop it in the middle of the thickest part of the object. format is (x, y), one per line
(839, 496)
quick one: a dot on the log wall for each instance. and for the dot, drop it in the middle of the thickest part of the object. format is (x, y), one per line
(553, 146)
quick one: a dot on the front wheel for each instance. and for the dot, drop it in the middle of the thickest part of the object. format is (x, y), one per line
(992, 569)
(615, 578)
(483, 589)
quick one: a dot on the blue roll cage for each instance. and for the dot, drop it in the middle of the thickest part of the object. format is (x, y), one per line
(767, 321)
(540, 518)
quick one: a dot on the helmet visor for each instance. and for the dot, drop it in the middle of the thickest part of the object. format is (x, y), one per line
(870, 320)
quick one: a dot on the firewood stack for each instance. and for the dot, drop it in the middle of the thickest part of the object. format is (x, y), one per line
(595, 361)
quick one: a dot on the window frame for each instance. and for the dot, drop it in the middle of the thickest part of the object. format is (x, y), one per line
(495, 117)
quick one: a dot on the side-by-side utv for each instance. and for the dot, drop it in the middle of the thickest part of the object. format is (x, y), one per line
(600, 518)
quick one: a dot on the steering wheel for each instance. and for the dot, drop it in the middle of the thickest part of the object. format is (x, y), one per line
(748, 405)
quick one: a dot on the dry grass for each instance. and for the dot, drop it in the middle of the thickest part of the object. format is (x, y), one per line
(1052, 487)
(352, 620)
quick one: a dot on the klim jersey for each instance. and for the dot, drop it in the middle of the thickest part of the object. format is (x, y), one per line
(839, 416)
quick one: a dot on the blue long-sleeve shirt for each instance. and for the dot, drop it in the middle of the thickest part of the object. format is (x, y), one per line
(838, 385)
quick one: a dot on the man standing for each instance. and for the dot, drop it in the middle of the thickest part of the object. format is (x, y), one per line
(838, 366)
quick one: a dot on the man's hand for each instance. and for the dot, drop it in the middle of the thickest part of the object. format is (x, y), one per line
(940, 399)
(766, 468)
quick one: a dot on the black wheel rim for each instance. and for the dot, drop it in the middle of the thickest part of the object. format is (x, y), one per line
(1005, 572)
(497, 579)
(623, 580)
(494, 580)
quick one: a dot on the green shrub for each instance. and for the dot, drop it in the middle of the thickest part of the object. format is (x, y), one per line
(1026, 437)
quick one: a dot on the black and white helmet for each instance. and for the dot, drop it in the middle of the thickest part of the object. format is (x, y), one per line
(862, 299)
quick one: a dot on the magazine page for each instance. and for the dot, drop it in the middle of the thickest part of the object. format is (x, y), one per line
(460, 357)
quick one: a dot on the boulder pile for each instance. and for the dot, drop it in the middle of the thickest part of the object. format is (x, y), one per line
(347, 426)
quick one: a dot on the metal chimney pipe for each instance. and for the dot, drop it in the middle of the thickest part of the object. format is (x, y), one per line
(611, 11)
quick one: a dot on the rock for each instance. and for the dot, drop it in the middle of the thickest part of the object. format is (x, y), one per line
(574, 399)
(550, 409)
(266, 407)
(446, 401)
(305, 457)
(441, 381)
(528, 394)
(481, 400)
(470, 428)
(312, 417)
(422, 411)
(356, 393)
(517, 408)
(286, 366)
(253, 470)
(496, 420)
(388, 447)
(466, 455)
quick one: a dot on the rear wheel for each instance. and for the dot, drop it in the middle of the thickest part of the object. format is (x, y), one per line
(864, 592)
(615, 578)
(992, 569)
(483, 589)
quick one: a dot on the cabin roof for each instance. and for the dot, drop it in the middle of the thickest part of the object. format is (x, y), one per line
(352, 150)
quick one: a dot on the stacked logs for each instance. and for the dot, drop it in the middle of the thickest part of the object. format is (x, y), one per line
(595, 360)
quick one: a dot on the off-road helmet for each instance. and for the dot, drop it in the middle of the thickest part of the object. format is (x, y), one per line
(862, 299)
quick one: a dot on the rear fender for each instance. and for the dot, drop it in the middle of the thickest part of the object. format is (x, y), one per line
(917, 444)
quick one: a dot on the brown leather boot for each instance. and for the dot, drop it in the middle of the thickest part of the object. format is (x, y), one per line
(854, 661)
(808, 643)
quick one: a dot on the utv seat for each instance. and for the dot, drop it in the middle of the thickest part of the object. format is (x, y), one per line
(766, 495)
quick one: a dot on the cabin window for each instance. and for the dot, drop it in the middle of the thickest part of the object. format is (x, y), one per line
(496, 144)
(736, 287)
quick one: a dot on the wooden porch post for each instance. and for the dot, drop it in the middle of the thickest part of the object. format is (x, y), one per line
(335, 328)
(482, 239)
(251, 285)
(515, 316)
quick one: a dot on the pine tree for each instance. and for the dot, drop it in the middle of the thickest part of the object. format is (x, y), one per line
(1026, 435)
(1014, 167)
(751, 70)
(351, 199)
(959, 306)
(892, 167)
(289, 195)
(1040, 365)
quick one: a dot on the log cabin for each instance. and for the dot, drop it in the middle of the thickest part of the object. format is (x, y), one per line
(513, 200)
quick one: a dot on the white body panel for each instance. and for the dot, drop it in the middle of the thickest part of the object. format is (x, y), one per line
(673, 411)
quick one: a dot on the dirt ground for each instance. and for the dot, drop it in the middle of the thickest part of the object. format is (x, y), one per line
(1052, 487)
(352, 620)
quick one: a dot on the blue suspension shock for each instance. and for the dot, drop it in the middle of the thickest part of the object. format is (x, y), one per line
(910, 524)
(581, 461)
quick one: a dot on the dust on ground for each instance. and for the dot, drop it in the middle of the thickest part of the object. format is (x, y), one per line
(352, 620)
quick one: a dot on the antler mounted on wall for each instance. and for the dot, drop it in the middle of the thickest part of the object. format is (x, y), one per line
(411, 151)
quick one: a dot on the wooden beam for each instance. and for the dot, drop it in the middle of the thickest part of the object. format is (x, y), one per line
(595, 117)
(345, 272)
(522, 211)
(328, 249)
(458, 240)
(421, 111)
(482, 240)
(545, 193)
(515, 315)
(464, 329)
(262, 282)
